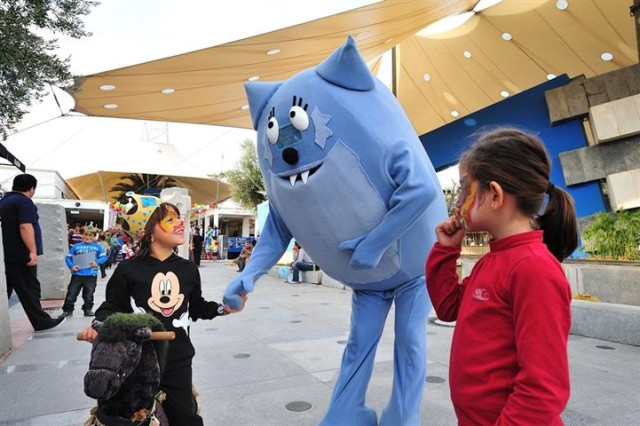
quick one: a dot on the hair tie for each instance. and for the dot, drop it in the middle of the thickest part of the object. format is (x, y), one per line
(550, 188)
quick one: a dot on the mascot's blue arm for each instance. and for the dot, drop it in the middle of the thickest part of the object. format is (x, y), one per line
(272, 244)
(414, 190)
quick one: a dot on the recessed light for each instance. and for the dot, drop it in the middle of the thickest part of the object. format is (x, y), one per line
(606, 56)
(244, 107)
(467, 54)
(253, 78)
(110, 106)
(504, 94)
(455, 113)
(273, 52)
(551, 76)
(562, 4)
(107, 87)
(506, 36)
(168, 90)
(426, 77)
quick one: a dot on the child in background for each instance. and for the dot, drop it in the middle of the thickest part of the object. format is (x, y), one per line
(509, 350)
(159, 282)
(83, 276)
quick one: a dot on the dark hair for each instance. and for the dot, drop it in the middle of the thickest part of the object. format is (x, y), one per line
(158, 214)
(519, 162)
(24, 182)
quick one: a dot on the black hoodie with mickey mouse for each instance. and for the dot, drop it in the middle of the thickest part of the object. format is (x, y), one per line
(169, 289)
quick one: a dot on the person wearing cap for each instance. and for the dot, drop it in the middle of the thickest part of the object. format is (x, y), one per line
(83, 259)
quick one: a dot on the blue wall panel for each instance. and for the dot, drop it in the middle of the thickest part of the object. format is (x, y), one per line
(528, 111)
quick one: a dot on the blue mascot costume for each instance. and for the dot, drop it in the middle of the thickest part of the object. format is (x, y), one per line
(347, 177)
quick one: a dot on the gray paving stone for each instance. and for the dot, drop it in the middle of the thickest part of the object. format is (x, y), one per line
(294, 337)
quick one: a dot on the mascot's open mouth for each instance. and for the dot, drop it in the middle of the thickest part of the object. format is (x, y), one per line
(303, 176)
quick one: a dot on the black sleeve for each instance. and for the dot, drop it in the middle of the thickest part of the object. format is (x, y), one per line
(200, 308)
(117, 297)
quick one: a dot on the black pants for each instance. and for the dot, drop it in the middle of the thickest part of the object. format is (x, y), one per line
(103, 269)
(180, 406)
(24, 280)
(77, 283)
(242, 262)
(197, 255)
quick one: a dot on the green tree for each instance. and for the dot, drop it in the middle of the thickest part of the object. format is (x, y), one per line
(27, 61)
(142, 183)
(247, 186)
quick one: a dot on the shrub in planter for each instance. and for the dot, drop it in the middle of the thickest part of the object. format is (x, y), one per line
(614, 236)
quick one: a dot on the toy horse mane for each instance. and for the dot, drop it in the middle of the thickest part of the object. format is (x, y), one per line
(125, 370)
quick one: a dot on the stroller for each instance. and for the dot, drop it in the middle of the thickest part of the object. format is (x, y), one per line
(127, 360)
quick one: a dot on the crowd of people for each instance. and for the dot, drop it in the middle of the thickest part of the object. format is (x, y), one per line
(206, 243)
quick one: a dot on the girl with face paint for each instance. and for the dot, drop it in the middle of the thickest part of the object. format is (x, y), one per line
(159, 282)
(509, 350)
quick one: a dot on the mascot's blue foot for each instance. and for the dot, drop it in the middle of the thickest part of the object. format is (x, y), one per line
(361, 416)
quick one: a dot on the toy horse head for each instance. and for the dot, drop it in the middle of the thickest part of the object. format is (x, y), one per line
(125, 368)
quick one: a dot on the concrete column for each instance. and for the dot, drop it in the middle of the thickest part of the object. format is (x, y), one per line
(246, 226)
(53, 274)
(181, 199)
(5, 325)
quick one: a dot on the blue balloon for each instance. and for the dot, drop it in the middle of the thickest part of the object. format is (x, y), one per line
(283, 272)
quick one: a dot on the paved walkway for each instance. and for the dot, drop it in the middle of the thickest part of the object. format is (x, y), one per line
(275, 364)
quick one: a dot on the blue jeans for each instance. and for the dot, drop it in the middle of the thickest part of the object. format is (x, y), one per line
(300, 266)
(88, 286)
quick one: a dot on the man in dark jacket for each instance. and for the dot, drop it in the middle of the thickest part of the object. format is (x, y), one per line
(196, 242)
(22, 242)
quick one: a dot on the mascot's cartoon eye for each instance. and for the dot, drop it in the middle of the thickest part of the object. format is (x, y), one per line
(273, 131)
(299, 118)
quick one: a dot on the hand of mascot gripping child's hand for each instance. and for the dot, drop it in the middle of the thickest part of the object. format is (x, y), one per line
(234, 292)
(363, 256)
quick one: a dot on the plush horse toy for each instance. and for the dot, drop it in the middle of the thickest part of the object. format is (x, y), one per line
(348, 178)
(124, 372)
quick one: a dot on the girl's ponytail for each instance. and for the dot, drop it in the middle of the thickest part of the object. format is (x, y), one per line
(559, 224)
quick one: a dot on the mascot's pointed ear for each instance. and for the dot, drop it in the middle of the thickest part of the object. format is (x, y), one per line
(258, 94)
(346, 68)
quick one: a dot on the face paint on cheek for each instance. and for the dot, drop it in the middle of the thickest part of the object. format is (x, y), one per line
(169, 222)
(469, 203)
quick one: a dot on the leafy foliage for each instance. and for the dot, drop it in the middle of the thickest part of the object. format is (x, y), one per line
(614, 236)
(27, 61)
(247, 186)
(142, 183)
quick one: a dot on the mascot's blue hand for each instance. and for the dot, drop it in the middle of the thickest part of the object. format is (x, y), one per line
(233, 291)
(363, 256)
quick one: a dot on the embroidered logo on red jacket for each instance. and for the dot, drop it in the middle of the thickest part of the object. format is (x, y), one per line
(480, 294)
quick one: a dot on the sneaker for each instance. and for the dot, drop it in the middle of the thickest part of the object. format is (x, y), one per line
(88, 313)
(65, 314)
(54, 323)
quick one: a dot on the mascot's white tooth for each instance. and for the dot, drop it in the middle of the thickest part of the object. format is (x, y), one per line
(293, 178)
(305, 176)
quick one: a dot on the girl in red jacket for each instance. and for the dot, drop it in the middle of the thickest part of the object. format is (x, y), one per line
(509, 351)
